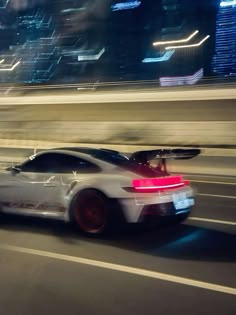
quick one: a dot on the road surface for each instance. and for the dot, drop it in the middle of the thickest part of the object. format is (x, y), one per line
(48, 268)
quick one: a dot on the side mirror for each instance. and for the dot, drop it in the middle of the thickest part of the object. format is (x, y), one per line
(14, 169)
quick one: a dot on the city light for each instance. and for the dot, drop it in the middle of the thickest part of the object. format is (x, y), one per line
(183, 80)
(165, 57)
(228, 3)
(87, 57)
(184, 40)
(125, 5)
(5, 5)
(12, 68)
(189, 46)
(72, 10)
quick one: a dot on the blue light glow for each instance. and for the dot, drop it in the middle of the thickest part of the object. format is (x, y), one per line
(5, 4)
(224, 59)
(126, 5)
(165, 57)
(87, 56)
(229, 3)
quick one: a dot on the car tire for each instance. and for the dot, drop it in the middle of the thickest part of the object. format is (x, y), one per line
(94, 213)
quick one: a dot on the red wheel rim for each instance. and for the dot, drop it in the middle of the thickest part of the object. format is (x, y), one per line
(91, 215)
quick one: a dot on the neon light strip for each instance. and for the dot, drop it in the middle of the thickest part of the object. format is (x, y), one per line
(165, 57)
(189, 46)
(12, 68)
(224, 4)
(185, 40)
(92, 57)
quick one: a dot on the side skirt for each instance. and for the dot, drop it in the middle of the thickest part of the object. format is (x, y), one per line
(40, 214)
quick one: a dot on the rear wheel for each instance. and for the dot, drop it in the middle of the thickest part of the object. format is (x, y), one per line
(91, 212)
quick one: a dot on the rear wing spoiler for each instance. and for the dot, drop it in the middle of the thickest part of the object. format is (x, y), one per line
(144, 157)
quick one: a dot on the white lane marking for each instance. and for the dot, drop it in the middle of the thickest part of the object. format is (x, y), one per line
(212, 221)
(123, 268)
(219, 196)
(211, 182)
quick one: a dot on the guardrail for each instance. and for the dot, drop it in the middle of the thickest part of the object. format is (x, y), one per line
(97, 86)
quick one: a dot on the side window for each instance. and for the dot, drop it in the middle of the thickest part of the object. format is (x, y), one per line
(69, 164)
(41, 163)
(59, 163)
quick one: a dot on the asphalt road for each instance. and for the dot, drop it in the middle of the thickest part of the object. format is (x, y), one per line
(48, 268)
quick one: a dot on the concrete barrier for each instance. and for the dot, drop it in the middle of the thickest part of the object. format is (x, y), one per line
(196, 117)
(115, 132)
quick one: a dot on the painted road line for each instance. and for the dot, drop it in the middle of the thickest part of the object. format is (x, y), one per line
(212, 220)
(123, 268)
(218, 196)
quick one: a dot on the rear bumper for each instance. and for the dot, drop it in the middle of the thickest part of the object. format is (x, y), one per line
(144, 207)
(162, 212)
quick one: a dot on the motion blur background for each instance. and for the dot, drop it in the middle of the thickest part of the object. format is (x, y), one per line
(173, 42)
(119, 73)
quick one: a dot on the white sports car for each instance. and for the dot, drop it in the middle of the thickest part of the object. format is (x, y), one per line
(97, 188)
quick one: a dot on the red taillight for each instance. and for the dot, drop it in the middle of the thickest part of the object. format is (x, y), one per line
(158, 184)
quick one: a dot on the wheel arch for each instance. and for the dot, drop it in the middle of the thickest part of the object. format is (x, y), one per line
(114, 202)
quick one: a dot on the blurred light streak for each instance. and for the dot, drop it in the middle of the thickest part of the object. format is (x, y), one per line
(185, 40)
(72, 10)
(229, 3)
(125, 5)
(5, 5)
(188, 79)
(12, 68)
(189, 46)
(51, 37)
(165, 57)
(91, 57)
(1, 61)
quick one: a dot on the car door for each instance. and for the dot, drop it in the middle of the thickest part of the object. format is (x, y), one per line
(67, 168)
(47, 190)
(32, 186)
(41, 183)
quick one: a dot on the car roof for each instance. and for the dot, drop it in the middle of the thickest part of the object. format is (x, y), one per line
(104, 157)
(89, 150)
(107, 159)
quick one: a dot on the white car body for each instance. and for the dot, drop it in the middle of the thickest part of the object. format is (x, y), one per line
(50, 194)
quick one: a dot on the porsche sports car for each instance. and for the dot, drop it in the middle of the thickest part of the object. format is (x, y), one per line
(97, 188)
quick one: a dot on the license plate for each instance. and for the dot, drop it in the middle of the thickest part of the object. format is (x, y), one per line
(181, 201)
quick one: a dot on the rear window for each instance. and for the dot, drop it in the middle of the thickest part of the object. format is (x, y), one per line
(123, 162)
